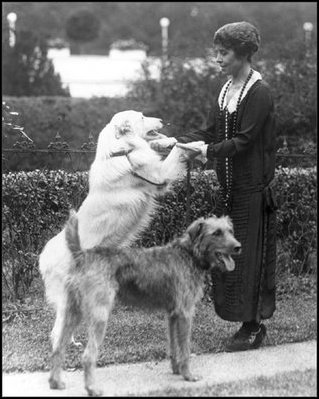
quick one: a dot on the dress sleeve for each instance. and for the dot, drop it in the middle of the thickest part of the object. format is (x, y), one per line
(255, 114)
(204, 135)
(207, 135)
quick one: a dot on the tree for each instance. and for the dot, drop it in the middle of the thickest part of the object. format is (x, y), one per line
(82, 27)
(26, 70)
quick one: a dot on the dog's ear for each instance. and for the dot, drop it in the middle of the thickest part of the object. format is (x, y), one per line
(123, 129)
(229, 220)
(195, 229)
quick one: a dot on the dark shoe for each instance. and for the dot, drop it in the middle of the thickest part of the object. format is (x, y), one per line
(245, 339)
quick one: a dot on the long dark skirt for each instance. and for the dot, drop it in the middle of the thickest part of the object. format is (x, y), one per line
(248, 292)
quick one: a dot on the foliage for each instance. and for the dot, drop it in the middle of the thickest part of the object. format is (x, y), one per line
(172, 217)
(296, 221)
(192, 23)
(26, 70)
(293, 81)
(183, 96)
(74, 119)
(10, 124)
(36, 204)
(128, 45)
(82, 26)
(185, 102)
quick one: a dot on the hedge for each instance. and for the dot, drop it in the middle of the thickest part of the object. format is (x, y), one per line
(184, 102)
(36, 205)
(73, 118)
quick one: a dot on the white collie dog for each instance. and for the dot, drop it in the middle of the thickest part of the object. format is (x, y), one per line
(124, 180)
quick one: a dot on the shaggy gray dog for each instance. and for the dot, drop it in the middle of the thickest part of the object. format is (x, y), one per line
(170, 277)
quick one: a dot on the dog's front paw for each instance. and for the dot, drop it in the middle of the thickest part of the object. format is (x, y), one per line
(163, 144)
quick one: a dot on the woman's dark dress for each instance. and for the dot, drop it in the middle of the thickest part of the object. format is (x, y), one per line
(247, 293)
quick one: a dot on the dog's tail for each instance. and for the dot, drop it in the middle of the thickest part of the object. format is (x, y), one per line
(72, 237)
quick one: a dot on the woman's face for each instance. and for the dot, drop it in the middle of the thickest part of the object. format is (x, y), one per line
(228, 61)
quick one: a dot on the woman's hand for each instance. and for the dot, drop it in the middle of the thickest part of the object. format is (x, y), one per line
(199, 148)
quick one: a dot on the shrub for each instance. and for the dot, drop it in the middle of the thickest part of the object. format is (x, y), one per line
(296, 220)
(183, 96)
(9, 122)
(36, 204)
(73, 118)
(26, 70)
(293, 81)
(173, 215)
(82, 27)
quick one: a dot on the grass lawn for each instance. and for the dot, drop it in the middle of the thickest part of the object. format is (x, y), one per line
(294, 383)
(134, 335)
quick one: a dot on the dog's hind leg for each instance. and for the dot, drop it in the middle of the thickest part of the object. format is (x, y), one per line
(174, 355)
(96, 331)
(184, 335)
(68, 318)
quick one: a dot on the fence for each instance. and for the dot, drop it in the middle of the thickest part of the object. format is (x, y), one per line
(80, 159)
(59, 152)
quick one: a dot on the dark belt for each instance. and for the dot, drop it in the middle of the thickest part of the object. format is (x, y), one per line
(268, 193)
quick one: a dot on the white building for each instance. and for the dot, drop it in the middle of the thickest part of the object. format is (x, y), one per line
(101, 76)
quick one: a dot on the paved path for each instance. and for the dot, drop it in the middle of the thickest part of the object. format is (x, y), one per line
(141, 378)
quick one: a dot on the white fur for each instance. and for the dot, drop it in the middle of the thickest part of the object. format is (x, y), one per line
(119, 205)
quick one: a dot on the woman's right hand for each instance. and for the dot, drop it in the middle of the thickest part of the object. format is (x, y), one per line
(199, 149)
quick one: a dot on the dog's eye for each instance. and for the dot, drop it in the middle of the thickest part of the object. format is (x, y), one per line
(217, 233)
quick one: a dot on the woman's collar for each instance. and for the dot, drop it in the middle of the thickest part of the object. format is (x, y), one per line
(231, 106)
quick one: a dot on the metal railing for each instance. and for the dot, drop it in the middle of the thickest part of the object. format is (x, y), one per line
(87, 151)
(59, 147)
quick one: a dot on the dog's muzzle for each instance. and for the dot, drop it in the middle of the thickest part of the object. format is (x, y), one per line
(227, 260)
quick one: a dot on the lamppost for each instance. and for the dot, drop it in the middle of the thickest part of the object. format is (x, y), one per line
(12, 17)
(164, 22)
(308, 28)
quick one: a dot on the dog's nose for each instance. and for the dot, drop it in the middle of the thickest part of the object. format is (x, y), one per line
(237, 249)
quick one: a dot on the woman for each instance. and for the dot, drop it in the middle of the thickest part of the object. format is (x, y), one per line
(242, 138)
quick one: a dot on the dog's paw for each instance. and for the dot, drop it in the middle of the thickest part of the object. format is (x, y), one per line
(93, 391)
(192, 378)
(56, 384)
(163, 144)
(176, 369)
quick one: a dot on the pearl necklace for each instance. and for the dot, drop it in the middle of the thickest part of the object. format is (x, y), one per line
(228, 135)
